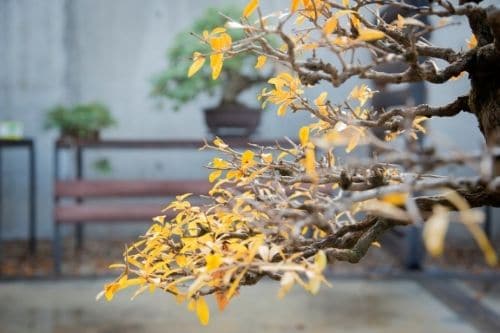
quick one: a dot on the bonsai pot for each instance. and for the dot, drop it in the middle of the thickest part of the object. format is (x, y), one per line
(233, 119)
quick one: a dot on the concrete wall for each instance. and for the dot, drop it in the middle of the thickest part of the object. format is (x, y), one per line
(71, 51)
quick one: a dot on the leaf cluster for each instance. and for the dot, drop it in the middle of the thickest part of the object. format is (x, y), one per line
(80, 120)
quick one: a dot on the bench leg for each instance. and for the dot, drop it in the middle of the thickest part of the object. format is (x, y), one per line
(415, 253)
(57, 249)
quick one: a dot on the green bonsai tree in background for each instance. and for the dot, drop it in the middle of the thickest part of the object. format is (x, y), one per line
(236, 76)
(83, 121)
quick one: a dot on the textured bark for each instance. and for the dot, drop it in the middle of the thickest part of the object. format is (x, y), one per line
(484, 70)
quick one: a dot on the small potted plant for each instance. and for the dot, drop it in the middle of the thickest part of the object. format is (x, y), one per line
(230, 116)
(81, 122)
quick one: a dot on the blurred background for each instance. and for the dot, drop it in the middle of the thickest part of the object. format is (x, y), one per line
(73, 53)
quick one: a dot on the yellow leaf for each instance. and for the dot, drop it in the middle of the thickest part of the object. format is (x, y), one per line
(247, 157)
(235, 284)
(216, 61)
(110, 290)
(304, 135)
(206, 35)
(159, 219)
(234, 174)
(183, 196)
(218, 30)
(435, 231)
(330, 25)
(261, 61)
(287, 282)
(219, 163)
(353, 142)
(362, 93)
(320, 103)
(416, 123)
(191, 304)
(320, 260)
(213, 261)
(198, 61)
(472, 42)
(310, 160)
(214, 175)
(402, 21)
(131, 282)
(345, 3)
(219, 143)
(395, 198)
(180, 298)
(221, 42)
(369, 35)
(469, 219)
(355, 21)
(202, 310)
(314, 284)
(321, 99)
(267, 158)
(282, 109)
(282, 155)
(181, 260)
(294, 6)
(251, 6)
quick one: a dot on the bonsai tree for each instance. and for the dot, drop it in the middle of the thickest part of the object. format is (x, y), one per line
(284, 212)
(236, 76)
(229, 117)
(82, 121)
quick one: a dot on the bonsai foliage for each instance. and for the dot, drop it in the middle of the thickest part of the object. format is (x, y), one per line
(284, 212)
(237, 75)
(81, 121)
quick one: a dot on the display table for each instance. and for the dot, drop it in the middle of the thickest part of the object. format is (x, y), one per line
(29, 145)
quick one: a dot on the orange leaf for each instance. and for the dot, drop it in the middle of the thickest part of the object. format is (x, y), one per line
(222, 300)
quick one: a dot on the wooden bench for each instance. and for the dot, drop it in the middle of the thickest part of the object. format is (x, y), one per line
(80, 210)
(77, 202)
(72, 213)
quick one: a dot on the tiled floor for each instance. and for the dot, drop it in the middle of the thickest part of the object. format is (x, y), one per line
(349, 306)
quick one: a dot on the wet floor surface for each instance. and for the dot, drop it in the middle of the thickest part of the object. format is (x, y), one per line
(349, 306)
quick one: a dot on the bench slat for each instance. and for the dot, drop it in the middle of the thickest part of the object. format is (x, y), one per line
(88, 213)
(119, 188)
